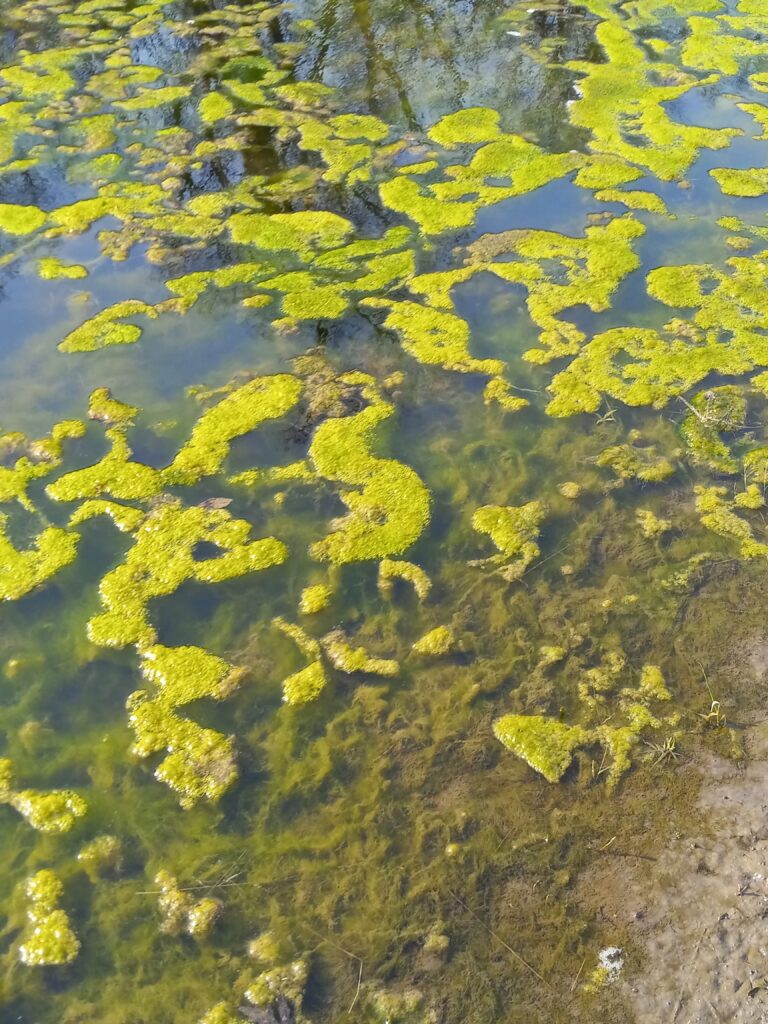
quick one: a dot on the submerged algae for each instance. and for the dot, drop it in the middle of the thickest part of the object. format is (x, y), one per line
(391, 569)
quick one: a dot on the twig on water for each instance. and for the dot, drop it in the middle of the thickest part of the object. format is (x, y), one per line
(578, 975)
(352, 956)
(499, 939)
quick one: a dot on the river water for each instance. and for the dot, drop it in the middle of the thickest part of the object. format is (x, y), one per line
(383, 532)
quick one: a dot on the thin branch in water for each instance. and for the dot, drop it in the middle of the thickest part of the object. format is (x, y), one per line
(501, 941)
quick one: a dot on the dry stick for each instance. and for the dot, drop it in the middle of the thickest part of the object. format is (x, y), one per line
(352, 956)
(578, 975)
(499, 939)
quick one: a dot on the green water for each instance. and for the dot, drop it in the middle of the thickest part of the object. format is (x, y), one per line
(458, 315)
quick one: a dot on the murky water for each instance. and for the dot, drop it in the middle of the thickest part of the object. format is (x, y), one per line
(383, 480)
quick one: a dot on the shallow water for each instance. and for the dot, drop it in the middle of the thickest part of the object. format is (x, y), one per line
(435, 365)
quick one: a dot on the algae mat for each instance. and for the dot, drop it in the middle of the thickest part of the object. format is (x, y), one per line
(383, 481)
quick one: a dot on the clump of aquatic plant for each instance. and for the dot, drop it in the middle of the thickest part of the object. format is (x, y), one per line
(388, 504)
(101, 856)
(712, 413)
(55, 811)
(163, 557)
(347, 658)
(513, 530)
(391, 569)
(315, 598)
(546, 744)
(436, 642)
(200, 763)
(51, 939)
(181, 912)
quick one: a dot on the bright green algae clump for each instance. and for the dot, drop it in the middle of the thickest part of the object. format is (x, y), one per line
(244, 410)
(51, 939)
(546, 744)
(54, 812)
(621, 97)
(514, 532)
(200, 763)
(390, 510)
(163, 557)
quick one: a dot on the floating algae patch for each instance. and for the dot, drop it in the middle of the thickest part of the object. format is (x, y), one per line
(622, 101)
(51, 939)
(237, 414)
(163, 557)
(546, 744)
(560, 272)
(46, 812)
(390, 507)
(200, 762)
(514, 532)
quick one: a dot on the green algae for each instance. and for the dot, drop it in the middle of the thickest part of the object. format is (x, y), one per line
(452, 204)
(436, 642)
(305, 685)
(52, 269)
(717, 514)
(151, 99)
(651, 526)
(21, 220)
(22, 571)
(634, 462)
(466, 127)
(304, 232)
(711, 45)
(432, 336)
(345, 159)
(622, 96)
(514, 531)
(125, 518)
(391, 569)
(244, 410)
(115, 475)
(162, 558)
(307, 644)
(101, 856)
(546, 744)
(181, 912)
(749, 182)
(200, 762)
(51, 939)
(560, 272)
(104, 329)
(349, 659)
(319, 284)
(286, 980)
(315, 598)
(714, 412)
(103, 406)
(52, 812)
(213, 107)
(389, 506)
